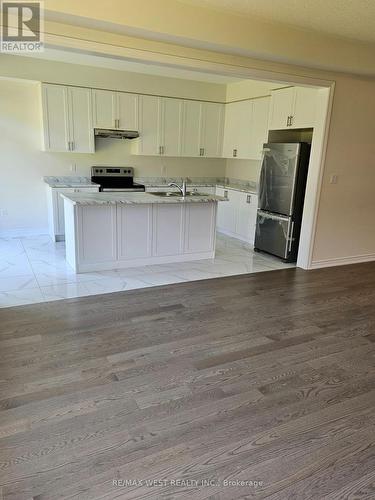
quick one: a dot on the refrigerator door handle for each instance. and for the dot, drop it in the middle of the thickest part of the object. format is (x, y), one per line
(291, 239)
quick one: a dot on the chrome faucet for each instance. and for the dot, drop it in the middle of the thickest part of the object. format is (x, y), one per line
(181, 188)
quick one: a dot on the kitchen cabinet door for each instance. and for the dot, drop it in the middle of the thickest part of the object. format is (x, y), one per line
(246, 208)
(127, 105)
(191, 129)
(81, 128)
(259, 127)
(281, 108)
(226, 212)
(305, 105)
(149, 142)
(212, 124)
(55, 118)
(230, 142)
(104, 108)
(237, 131)
(171, 127)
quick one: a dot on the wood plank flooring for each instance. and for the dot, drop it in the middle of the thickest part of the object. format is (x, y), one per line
(251, 386)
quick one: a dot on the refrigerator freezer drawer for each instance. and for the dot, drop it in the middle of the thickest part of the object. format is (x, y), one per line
(274, 234)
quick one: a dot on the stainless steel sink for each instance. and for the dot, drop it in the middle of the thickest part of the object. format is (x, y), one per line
(176, 194)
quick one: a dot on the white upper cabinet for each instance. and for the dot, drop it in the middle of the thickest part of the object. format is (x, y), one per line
(149, 126)
(104, 108)
(55, 118)
(127, 105)
(115, 110)
(170, 127)
(191, 129)
(305, 105)
(211, 136)
(202, 130)
(160, 126)
(259, 127)
(292, 107)
(67, 122)
(245, 131)
(82, 137)
(230, 130)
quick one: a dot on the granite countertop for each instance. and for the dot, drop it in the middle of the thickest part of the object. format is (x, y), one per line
(159, 182)
(239, 187)
(69, 182)
(226, 183)
(135, 198)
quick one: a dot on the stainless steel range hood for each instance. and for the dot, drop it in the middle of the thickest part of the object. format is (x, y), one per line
(115, 133)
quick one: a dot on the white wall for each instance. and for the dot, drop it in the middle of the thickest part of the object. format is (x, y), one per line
(23, 164)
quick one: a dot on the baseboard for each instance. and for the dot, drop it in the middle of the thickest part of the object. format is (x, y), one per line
(342, 261)
(23, 232)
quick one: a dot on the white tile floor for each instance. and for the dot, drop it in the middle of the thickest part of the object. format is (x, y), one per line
(34, 270)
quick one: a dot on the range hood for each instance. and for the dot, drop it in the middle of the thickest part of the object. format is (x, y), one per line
(115, 133)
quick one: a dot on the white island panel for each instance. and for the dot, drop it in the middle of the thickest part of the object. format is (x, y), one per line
(134, 229)
(200, 221)
(97, 234)
(168, 230)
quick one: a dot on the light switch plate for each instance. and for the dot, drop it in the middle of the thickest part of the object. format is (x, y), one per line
(333, 179)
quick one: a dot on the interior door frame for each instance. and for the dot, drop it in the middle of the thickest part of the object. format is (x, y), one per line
(320, 136)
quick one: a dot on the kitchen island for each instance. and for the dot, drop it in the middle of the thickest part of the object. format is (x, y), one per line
(116, 230)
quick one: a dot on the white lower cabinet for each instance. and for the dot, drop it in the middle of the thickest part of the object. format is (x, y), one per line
(55, 209)
(237, 217)
(226, 214)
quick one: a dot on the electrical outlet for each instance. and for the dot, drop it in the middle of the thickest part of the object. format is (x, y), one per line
(3, 212)
(73, 167)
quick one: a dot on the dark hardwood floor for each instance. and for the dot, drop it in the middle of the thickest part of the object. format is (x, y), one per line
(264, 378)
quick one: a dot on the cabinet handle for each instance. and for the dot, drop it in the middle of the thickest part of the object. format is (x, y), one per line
(291, 120)
(287, 121)
(225, 194)
(291, 239)
(72, 146)
(68, 146)
(161, 150)
(234, 153)
(201, 152)
(248, 198)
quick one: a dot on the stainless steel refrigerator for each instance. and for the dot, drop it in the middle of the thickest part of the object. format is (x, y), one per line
(281, 196)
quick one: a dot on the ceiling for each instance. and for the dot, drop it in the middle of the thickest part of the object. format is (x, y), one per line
(353, 19)
(125, 65)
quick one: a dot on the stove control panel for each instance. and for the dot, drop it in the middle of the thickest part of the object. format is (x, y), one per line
(112, 171)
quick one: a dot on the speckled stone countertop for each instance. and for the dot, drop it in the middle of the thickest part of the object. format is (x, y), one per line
(69, 182)
(245, 188)
(160, 182)
(193, 182)
(135, 198)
